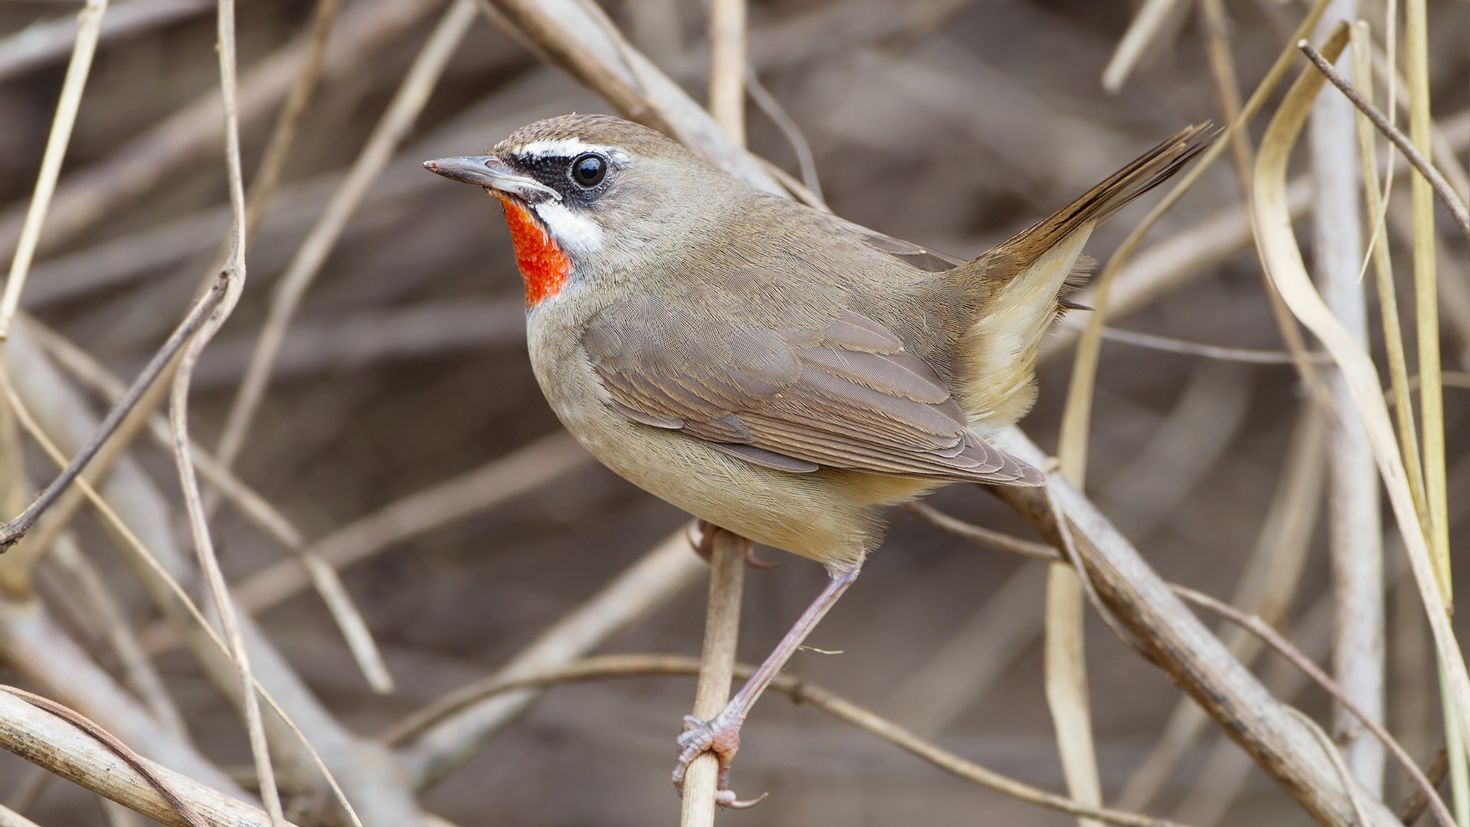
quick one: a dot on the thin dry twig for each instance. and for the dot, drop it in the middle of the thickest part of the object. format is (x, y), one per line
(170, 586)
(89, 27)
(1416, 159)
(112, 623)
(1219, 353)
(404, 109)
(233, 277)
(1284, 647)
(1282, 258)
(701, 793)
(16, 528)
(803, 692)
(1250, 623)
(194, 131)
(304, 563)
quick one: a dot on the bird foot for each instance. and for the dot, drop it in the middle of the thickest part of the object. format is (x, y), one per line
(705, 548)
(719, 736)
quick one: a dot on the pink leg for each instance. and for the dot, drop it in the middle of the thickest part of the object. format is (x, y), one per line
(721, 734)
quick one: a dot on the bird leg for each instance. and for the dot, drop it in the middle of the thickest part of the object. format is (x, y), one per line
(721, 734)
(705, 547)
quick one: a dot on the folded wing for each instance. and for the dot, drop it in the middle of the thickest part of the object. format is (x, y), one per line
(843, 393)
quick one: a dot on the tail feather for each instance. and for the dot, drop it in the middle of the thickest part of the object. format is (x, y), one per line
(1117, 191)
(1026, 280)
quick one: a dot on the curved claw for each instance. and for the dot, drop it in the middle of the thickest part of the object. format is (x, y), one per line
(726, 798)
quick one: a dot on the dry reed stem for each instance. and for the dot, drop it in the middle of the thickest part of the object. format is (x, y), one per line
(399, 117)
(133, 760)
(48, 741)
(1176, 641)
(1065, 662)
(33, 643)
(1376, 202)
(1354, 527)
(1251, 625)
(263, 187)
(283, 134)
(612, 666)
(89, 26)
(113, 625)
(1368, 718)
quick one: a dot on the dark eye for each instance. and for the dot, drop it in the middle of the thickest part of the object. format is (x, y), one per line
(589, 169)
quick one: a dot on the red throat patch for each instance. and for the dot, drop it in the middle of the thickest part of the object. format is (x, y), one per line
(544, 267)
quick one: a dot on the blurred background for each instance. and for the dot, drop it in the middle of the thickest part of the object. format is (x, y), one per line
(951, 124)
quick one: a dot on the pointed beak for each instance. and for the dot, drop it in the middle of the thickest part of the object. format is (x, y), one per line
(492, 173)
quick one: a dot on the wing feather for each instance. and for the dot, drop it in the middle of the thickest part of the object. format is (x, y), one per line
(842, 394)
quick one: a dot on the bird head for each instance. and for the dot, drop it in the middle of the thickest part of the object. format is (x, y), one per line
(591, 196)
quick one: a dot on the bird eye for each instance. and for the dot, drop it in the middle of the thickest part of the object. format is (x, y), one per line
(588, 169)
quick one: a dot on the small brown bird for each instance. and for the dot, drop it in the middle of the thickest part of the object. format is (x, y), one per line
(769, 368)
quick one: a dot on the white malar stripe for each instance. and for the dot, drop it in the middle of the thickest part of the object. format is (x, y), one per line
(573, 231)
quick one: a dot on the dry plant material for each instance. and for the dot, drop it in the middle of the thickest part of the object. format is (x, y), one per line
(432, 745)
(12, 530)
(1175, 639)
(802, 692)
(150, 562)
(233, 277)
(305, 565)
(50, 737)
(1354, 527)
(399, 117)
(1283, 261)
(1066, 680)
(705, 785)
(116, 747)
(1431, 174)
(1148, 27)
(89, 28)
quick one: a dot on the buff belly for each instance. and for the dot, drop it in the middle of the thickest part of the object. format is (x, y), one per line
(831, 516)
